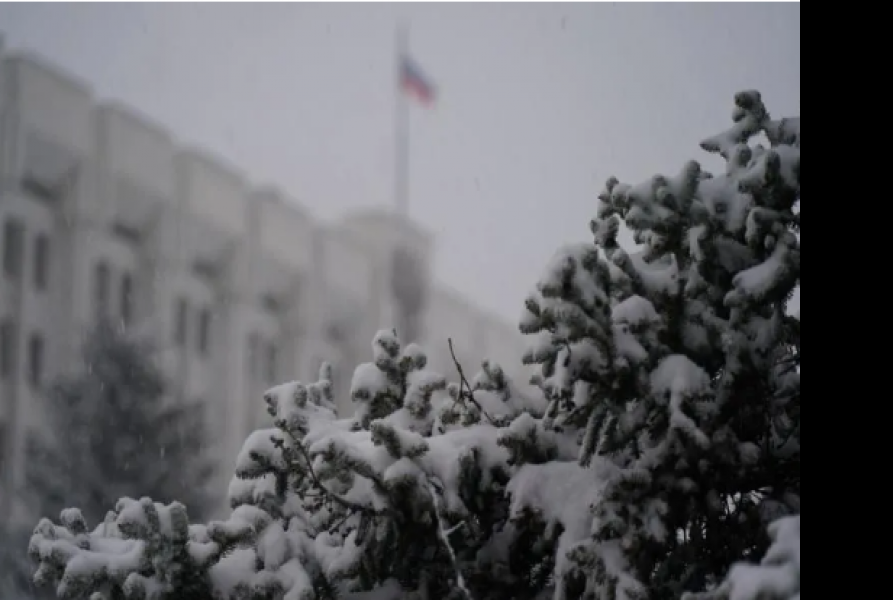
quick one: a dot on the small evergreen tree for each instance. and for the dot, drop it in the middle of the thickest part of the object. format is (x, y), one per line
(115, 432)
(665, 438)
(15, 566)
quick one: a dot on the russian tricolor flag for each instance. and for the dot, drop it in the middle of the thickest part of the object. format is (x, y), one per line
(415, 83)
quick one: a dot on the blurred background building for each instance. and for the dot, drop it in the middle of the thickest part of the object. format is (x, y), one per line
(103, 214)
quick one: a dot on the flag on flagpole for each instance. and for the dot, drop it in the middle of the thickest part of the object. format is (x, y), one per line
(414, 82)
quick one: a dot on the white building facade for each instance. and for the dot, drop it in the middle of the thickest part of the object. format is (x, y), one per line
(101, 213)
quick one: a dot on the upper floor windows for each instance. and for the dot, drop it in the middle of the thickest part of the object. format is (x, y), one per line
(102, 294)
(192, 320)
(13, 251)
(41, 261)
(8, 344)
(13, 247)
(35, 359)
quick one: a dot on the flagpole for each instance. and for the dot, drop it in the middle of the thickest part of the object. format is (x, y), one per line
(401, 130)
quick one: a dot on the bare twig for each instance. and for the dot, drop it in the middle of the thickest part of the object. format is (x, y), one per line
(465, 389)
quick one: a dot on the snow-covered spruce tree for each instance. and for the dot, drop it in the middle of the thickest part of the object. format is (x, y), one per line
(682, 364)
(114, 434)
(405, 499)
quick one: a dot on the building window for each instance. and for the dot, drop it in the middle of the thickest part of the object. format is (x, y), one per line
(35, 359)
(181, 321)
(204, 331)
(13, 247)
(7, 348)
(126, 299)
(41, 261)
(272, 363)
(102, 277)
(3, 443)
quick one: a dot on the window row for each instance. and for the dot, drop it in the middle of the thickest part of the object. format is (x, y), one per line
(9, 353)
(263, 360)
(263, 356)
(14, 240)
(102, 293)
(182, 321)
(4, 440)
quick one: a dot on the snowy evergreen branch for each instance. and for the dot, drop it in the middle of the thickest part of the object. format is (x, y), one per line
(307, 465)
(776, 577)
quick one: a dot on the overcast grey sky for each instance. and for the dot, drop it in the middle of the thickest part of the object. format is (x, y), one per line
(538, 103)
